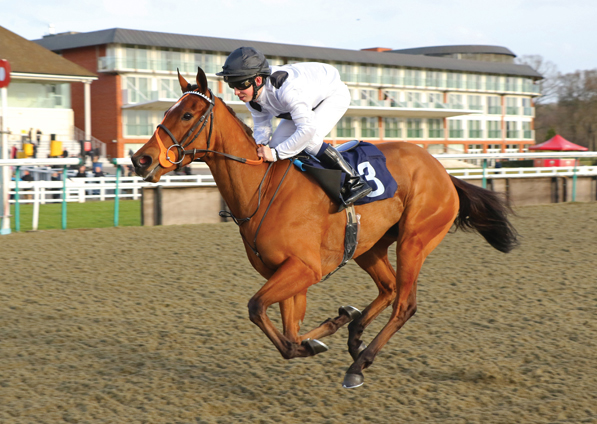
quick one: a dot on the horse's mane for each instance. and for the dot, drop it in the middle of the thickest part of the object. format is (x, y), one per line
(248, 130)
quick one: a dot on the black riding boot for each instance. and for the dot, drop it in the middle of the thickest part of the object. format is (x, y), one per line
(355, 186)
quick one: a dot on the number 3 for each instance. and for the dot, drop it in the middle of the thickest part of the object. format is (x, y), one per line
(370, 177)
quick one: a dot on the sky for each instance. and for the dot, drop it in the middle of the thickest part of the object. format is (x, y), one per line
(563, 32)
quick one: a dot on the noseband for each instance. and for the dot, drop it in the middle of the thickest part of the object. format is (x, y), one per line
(164, 157)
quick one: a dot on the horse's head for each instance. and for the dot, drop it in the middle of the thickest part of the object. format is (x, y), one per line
(186, 126)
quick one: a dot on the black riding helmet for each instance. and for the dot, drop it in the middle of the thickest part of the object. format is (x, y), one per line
(243, 65)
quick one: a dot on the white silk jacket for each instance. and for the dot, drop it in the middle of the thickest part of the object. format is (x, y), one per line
(305, 87)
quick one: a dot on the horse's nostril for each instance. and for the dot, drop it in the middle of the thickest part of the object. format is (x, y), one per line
(144, 160)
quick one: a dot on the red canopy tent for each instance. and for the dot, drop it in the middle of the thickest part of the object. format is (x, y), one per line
(560, 144)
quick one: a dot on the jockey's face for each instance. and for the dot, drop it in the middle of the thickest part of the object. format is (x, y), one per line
(246, 95)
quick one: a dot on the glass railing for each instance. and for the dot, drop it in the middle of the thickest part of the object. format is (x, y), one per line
(110, 63)
(512, 134)
(416, 82)
(512, 110)
(473, 85)
(527, 134)
(368, 79)
(494, 110)
(456, 133)
(527, 111)
(435, 83)
(475, 107)
(494, 134)
(475, 133)
(391, 80)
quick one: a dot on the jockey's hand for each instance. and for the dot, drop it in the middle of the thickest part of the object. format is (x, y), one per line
(266, 153)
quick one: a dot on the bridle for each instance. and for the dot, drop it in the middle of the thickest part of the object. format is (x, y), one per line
(164, 157)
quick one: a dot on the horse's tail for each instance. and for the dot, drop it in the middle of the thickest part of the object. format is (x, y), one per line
(485, 212)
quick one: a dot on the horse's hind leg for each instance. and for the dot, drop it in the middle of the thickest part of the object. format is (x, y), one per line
(418, 236)
(375, 262)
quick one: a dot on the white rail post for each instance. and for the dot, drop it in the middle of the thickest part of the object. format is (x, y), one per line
(36, 201)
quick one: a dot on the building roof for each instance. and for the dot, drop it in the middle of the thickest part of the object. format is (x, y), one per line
(475, 48)
(28, 57)
(66, 41)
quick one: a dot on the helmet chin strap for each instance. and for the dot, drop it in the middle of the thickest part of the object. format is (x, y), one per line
(256, 87)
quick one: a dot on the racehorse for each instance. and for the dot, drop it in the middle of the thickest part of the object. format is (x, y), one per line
(294, 235)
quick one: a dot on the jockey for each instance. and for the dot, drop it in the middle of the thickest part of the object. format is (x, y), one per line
(309, 97)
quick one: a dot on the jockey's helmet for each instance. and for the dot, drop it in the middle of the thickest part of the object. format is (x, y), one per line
(242, 66)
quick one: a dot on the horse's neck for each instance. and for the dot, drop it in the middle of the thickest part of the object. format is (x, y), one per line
(238, 182)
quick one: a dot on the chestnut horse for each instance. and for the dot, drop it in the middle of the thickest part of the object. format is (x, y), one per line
(293, 234)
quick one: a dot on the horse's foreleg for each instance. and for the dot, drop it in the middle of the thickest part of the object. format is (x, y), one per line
(293, 313)
(291, 279)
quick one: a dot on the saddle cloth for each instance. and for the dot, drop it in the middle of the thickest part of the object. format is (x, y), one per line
(369, 162)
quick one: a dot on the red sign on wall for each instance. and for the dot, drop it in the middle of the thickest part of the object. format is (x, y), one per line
(4, 73)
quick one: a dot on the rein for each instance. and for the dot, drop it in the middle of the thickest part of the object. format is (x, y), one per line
(164, 157)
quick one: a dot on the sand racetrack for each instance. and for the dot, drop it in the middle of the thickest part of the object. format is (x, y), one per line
(102, 326)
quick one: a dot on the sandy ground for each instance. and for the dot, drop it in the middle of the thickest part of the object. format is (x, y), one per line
(101, 326)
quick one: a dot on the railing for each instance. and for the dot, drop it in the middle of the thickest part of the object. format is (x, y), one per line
(72, 189)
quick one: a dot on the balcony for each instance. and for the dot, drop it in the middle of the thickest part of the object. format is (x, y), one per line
(414, 133)
(512, 134)
(494, 134)
(494, 110)
(527, 111)
(436, 133)
(456, 133)
(512, 110)
(113, 64)
(475, 133)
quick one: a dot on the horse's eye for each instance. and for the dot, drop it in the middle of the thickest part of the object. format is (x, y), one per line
(187, 116)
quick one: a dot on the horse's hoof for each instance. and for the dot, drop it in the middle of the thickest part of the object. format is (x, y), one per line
(353, 380)
(315, 346)
(352, 312)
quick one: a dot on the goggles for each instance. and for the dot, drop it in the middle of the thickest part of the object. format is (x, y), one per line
(241, 85)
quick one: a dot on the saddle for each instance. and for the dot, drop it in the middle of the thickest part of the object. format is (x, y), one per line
(364, 157)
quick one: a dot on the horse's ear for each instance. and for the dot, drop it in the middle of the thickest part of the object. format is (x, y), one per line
(201, 81)
(183, 82)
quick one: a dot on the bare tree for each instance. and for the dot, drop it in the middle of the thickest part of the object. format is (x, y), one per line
(549, 71)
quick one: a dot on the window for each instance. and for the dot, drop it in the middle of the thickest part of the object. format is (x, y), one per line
(494, 129)
(455, 80)
(492, 83)
(347, 73)
(210, 63)
(494, 106)
(369, 128)
(455, 101)
(368, 74)
(512, 84)
(139, 123)
(527, 110)
(413, 77)
(435, 128)
(390, 76)
(435, 100)
(345, 128)
(512, 129)
(392, 99)
(414, 99)
(456, 130)
(137, 90)
(473, 82)
(474, 102)
(512, 106)
(413, 128)
(434, 79)
(474, 129)
(35, 95)
(392, 128)
(526, 130)
(136, 58)
(169, 88)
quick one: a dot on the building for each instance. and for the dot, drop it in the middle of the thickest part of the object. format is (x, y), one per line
(447, 99)
(39, 95)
